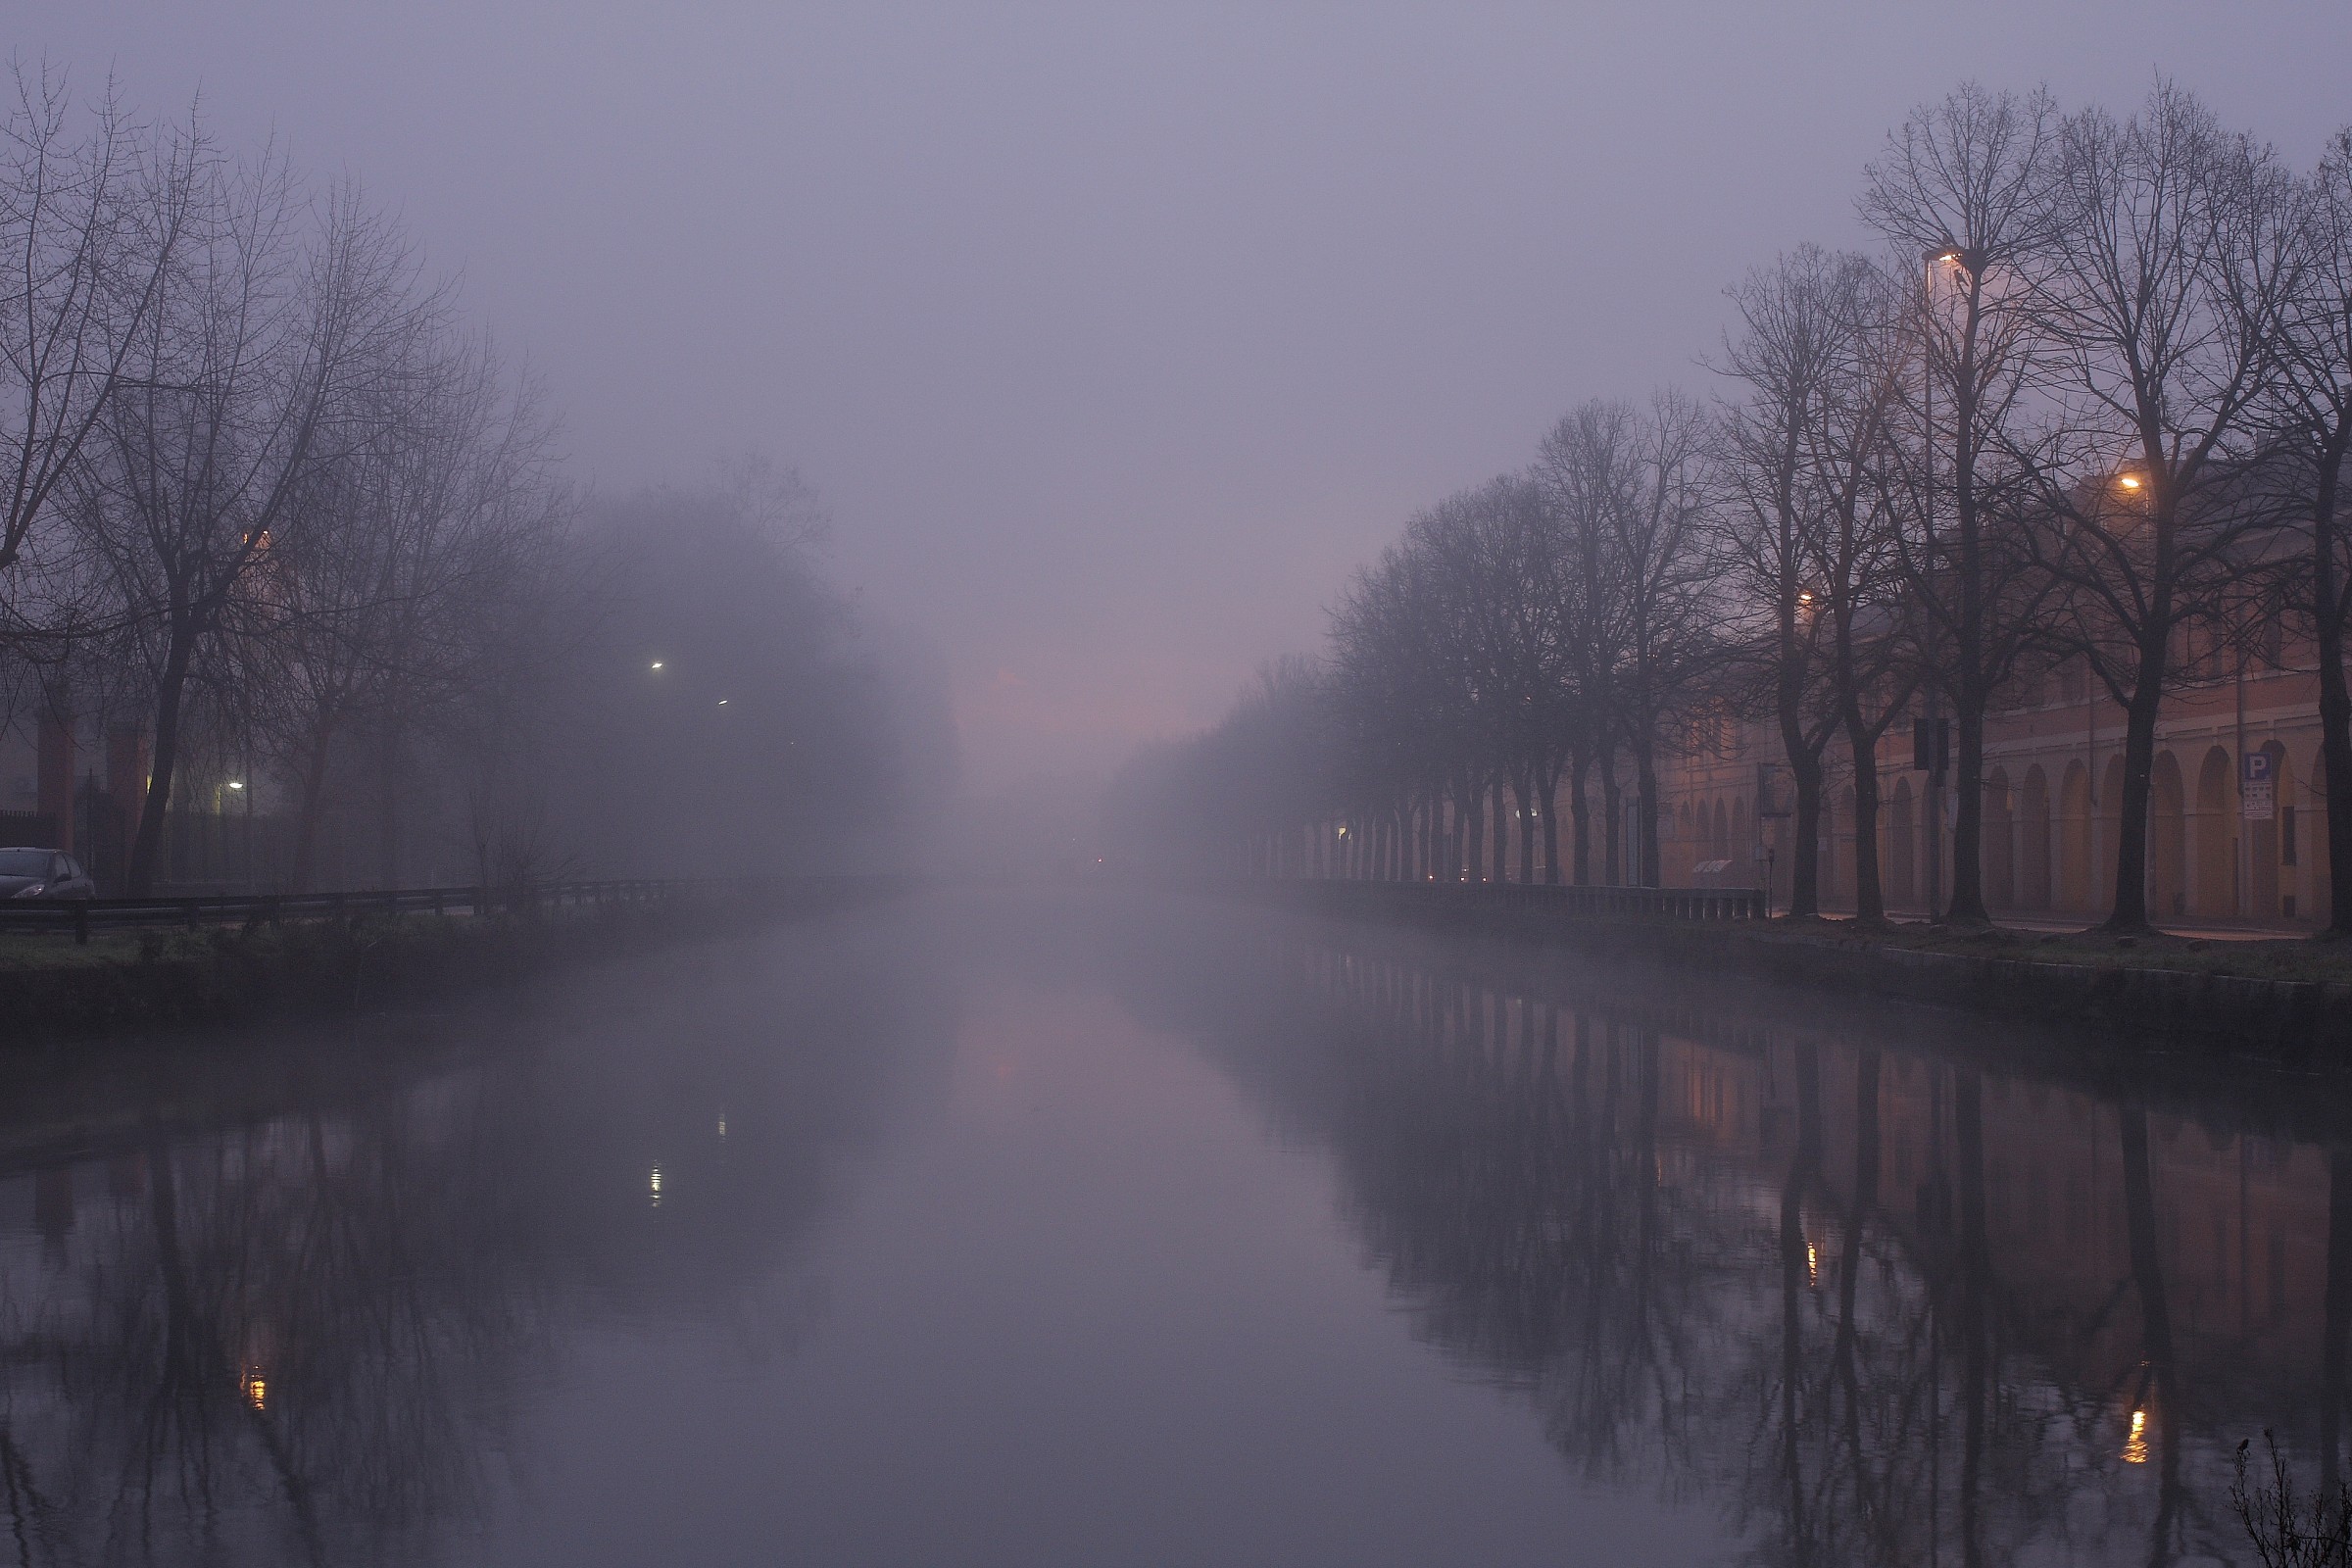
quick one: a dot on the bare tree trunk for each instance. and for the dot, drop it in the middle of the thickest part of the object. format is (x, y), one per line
(1580, 810)
(1470, 824)
(1548, 781)
(1804, 864)
(1870, 898)
(147, 845)
(1500, 827)
(314, 793)
(1526, 787)
(1645, 802)
(387, 828)
(1612, 837)
(2139, 767)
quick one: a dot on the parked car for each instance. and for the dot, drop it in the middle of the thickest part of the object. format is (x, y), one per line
(43, 874)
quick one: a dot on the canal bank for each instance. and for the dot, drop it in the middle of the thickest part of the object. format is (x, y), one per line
(2288, 1001)
(52, 989)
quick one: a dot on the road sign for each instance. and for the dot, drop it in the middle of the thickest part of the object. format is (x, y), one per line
(2257, 792)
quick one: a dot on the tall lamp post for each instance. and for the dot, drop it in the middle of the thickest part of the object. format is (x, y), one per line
(1951, 256)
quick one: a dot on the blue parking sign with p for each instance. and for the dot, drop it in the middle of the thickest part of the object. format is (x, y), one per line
(2257, 767)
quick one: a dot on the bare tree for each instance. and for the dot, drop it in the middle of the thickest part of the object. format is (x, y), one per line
(411, 546)
(270, 315)
(2162, 308)
(2311, 418)
(1637, 479)
(1965, 184)
(1804, 320)
(1856, 569)
(90, 215)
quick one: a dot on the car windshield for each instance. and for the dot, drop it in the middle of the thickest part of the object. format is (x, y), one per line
(23, 862)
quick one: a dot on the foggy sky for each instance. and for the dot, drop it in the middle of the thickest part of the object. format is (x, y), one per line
(1115, 335)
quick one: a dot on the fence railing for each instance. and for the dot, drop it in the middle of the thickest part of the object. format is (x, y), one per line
(1670, 904)
(82, 916)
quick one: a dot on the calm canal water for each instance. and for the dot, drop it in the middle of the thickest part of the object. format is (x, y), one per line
(1073, 1227)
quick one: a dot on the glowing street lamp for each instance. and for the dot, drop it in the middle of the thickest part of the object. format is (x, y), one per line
(657, 664)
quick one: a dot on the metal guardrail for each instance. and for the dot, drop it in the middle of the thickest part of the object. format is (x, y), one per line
(82, 916)
(1522, 897)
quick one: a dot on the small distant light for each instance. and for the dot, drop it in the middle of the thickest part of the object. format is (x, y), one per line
(654, 1185)
(723, 702)
(236, 783)
(2129, 481)
(657, 664)
(722, 1126)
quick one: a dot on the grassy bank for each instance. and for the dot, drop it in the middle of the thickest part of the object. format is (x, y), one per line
(51, 989)
(2288, 999)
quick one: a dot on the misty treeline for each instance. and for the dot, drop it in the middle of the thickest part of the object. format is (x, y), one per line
(2086, 409)
(278, 521)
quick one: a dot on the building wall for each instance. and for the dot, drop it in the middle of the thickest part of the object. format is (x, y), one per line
(2053, 768)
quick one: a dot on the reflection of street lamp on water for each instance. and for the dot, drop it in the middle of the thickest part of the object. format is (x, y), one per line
(2136, 1447)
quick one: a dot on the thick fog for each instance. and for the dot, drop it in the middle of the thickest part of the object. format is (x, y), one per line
(1111, 339)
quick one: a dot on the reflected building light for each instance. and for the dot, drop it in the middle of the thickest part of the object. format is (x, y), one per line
(255, 1387)
(723, 1124)
(654, 1185)
(2136, 1447)
(1812, 1265)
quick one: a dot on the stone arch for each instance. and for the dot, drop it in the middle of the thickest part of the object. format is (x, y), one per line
(2168, 840)
(1997, 853)
(2033, 840)
(1903, 838)
(2214, 889)
(2074, 822)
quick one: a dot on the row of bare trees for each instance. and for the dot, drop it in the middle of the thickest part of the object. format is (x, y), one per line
(2090, 406)
(272, 507)
(263, 486)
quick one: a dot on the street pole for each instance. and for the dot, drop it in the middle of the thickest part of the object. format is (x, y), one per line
(1927, 370)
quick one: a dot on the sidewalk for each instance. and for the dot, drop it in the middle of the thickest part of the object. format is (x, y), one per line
(2203, 930)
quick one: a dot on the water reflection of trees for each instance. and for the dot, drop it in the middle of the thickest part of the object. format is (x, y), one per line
(1873, 1302)
(303, 1336)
